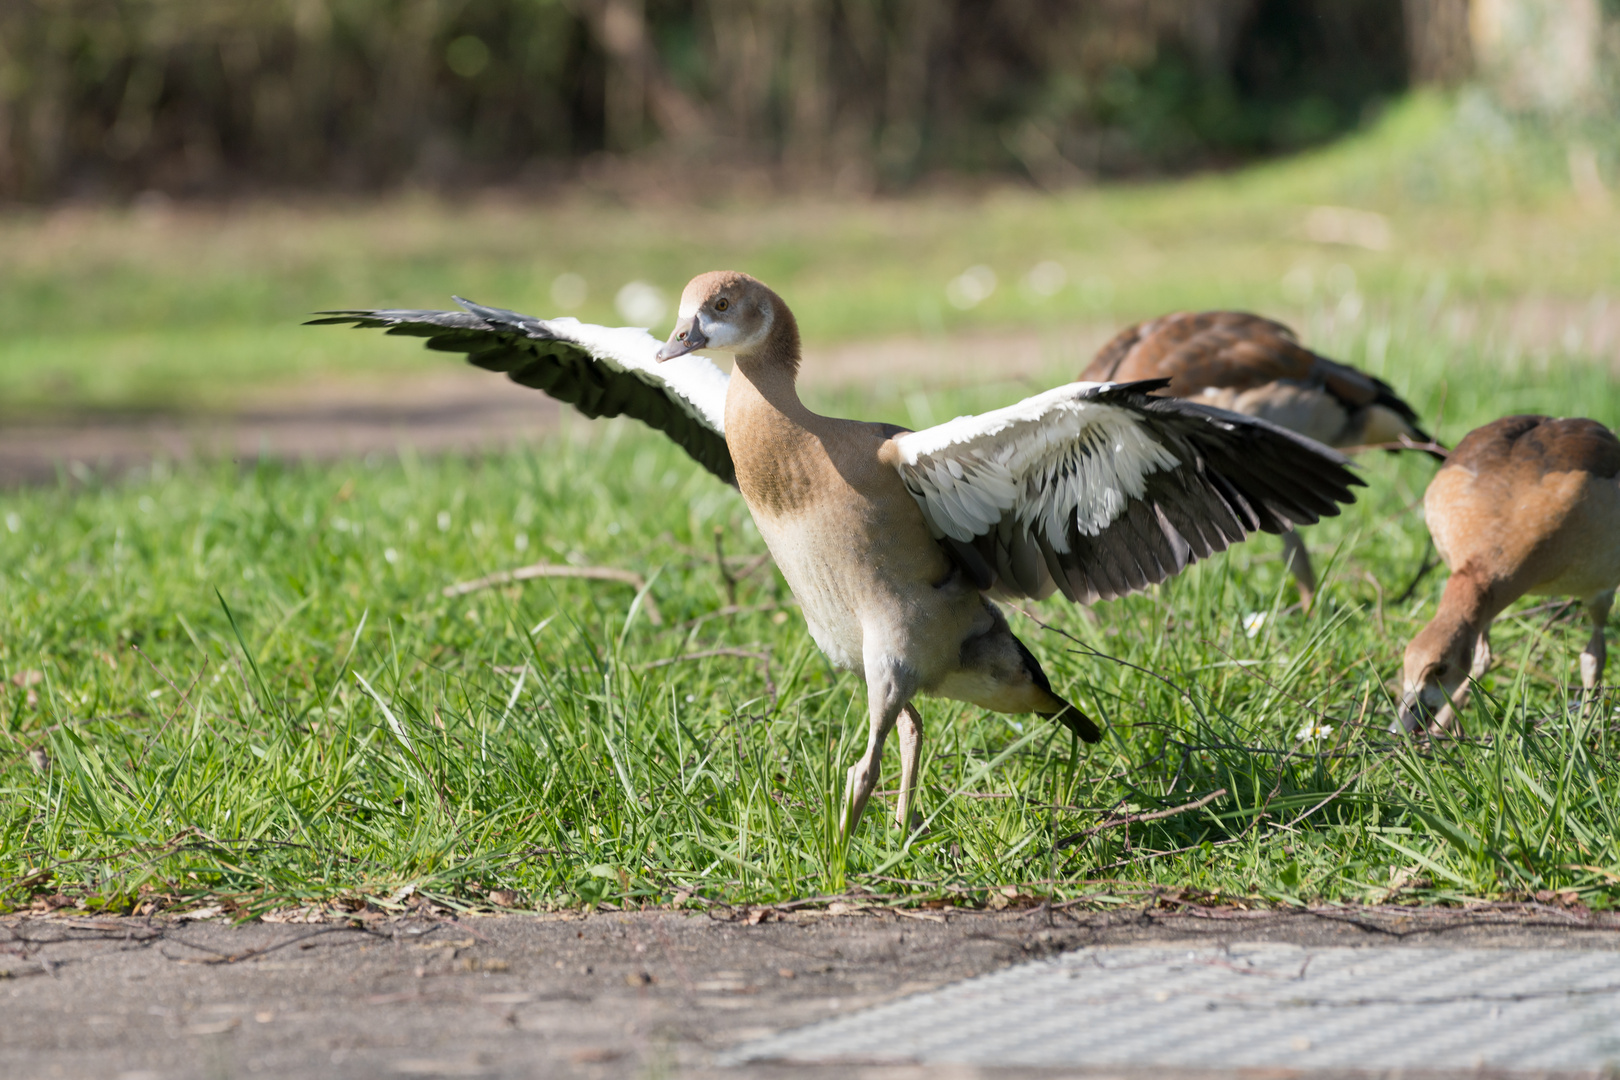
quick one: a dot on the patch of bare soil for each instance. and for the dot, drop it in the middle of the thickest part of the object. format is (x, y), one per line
(455, 411)
(605, 995)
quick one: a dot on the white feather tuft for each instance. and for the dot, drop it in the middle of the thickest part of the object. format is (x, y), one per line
(1050, 459)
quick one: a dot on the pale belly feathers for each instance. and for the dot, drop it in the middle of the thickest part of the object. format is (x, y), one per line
(875, 589)
(848, 537)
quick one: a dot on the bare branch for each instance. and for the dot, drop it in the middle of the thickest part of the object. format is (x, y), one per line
(551, 570)
(731, 609)
(1131, 819)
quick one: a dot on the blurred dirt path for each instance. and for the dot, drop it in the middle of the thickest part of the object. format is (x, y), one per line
(609, 995)
(463, 409)
(453, 411)
(460, 409)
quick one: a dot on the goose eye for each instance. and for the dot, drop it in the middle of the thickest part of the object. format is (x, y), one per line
(721, 304)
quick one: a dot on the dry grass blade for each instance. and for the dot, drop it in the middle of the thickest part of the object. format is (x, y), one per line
(552, 570)
(606, 783)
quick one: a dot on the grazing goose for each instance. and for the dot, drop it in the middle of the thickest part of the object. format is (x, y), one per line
(892, 539)
(1527, 504)
(1250, 365)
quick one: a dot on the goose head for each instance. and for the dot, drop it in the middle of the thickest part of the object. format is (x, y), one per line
(728, 311)
(1436, 667)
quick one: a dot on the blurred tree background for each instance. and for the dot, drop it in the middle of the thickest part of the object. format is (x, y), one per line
(193, 97)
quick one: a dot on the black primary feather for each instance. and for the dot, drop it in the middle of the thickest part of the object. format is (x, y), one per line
(534, 353)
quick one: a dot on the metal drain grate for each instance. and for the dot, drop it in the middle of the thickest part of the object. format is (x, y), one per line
(1247, 1006)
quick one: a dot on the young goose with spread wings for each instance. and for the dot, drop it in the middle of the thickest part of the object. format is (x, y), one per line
(893, 541)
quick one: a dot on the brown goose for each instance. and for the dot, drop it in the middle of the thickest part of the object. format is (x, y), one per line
(1251, 365)
(1525, 505)
(893, 540)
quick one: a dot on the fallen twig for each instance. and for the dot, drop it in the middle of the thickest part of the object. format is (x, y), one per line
(549, 570)
(750, 564)
(1131, 819)
(1340, 790)
(728, 610)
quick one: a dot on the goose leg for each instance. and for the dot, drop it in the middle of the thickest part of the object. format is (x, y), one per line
(910, 754)
(1596, 652)
(888, 689)
(1298, 561)
(1482, 654)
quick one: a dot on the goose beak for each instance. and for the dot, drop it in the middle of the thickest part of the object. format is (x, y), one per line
(688, 337)
(1412, 715)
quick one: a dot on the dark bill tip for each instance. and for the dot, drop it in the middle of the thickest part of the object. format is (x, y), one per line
(686, 338)
(1411, 716)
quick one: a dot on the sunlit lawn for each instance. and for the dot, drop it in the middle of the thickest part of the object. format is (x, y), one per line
(246, 684)
(154, 308)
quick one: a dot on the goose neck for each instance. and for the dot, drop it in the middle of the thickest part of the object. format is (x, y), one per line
(1470, 598)
(771, 370)
(1467, 606)
(774, 384)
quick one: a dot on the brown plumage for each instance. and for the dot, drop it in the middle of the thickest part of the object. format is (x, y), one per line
(894, 542)
(1525, 505)
(892, 539)
(879, 593)
(1251, 365)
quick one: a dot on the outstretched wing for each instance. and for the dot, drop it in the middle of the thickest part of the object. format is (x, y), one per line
(599, 370)
(1099, 489)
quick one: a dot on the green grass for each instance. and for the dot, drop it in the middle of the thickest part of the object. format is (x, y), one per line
(251, 687)
(133, 309)
(245, 684)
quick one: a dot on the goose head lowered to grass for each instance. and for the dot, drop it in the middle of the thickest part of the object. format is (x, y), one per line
(1524, 505)
(892, 540)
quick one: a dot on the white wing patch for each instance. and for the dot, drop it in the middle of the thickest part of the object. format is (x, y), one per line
(693, 381)
(1052, 458)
